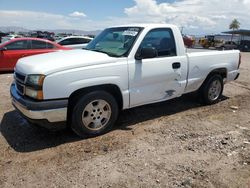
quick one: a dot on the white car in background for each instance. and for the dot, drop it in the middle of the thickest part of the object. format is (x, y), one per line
(75, 42)
(9, 37)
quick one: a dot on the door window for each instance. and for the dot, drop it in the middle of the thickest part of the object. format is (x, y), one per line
(18, 45)
(81, 40)
(162, 40)
(51, 46)
(36, 44)
(65, 42)
(87, 40)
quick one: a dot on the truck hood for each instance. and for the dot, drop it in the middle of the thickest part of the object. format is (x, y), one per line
(59, 61)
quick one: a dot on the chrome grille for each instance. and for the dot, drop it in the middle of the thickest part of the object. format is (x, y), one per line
(20, 88)
(20, 77)
(19, 82)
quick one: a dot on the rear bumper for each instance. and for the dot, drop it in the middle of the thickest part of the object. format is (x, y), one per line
(237, 76)
(233, 75)
(48, 114)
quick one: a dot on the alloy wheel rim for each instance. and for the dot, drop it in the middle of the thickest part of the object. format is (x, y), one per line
(96, 114)
(214, 90)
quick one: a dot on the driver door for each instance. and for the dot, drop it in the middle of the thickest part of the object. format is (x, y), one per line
(160, 78)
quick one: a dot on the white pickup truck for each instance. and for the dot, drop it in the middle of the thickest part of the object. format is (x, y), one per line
(123, 67)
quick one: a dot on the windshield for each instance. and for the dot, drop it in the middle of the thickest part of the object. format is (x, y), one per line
(115, 42)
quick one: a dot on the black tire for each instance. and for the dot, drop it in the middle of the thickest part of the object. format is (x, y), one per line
(209, 97)
(80, 110)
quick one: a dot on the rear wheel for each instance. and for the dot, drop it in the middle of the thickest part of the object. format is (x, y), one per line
(94, 114)
(212, 89)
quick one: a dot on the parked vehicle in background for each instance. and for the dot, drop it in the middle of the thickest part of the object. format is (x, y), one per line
(207, 41)
(60, 36)
(210, 41)
(57, 37)
(123, 67)
(43, 35)
(2, 35)
(12, 50)
(9, 37)
(188, 41)
(244, 46)
(75, 42)
(228, 45)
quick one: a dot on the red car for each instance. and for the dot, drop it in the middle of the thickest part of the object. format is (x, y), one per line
(14, 49)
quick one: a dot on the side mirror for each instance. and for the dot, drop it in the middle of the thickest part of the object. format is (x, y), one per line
(145, 53)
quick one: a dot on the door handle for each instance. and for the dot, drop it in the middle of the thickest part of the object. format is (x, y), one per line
(176, 65)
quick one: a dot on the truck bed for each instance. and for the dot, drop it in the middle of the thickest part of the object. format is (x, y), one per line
(202, 62)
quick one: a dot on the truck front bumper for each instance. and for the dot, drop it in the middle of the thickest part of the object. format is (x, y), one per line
(50, 114)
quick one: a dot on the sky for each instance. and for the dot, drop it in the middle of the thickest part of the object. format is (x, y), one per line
(195, 16)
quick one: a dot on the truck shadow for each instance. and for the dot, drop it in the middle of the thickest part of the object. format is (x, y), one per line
(6, 72)
(23, 137)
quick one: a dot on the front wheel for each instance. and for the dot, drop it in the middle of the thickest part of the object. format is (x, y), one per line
(94, 114)
(212, 89)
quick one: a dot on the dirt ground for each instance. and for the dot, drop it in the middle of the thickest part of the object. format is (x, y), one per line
(178, 143)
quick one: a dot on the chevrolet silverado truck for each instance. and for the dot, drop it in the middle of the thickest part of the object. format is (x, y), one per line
(123, 67)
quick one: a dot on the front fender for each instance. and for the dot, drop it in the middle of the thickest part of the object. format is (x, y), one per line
(63, 84)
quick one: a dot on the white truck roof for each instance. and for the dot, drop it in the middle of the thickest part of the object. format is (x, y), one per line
(147, 25)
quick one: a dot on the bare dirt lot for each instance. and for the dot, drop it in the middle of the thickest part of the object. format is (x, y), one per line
(178, 143)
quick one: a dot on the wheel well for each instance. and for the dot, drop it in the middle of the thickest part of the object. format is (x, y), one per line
(110, 88)
(221, 71)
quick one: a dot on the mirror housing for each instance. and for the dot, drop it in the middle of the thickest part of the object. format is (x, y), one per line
(145, 53)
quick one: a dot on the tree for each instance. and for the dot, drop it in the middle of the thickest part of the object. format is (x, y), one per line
(235, 24)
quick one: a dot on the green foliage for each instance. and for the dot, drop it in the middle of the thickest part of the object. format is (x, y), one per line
(235, 24)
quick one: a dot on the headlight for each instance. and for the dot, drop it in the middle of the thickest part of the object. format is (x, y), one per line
(36, 94)
(34, 86)
(35, 80)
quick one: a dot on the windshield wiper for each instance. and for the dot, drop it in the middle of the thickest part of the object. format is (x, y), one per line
(98, 50)
(108, 53)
